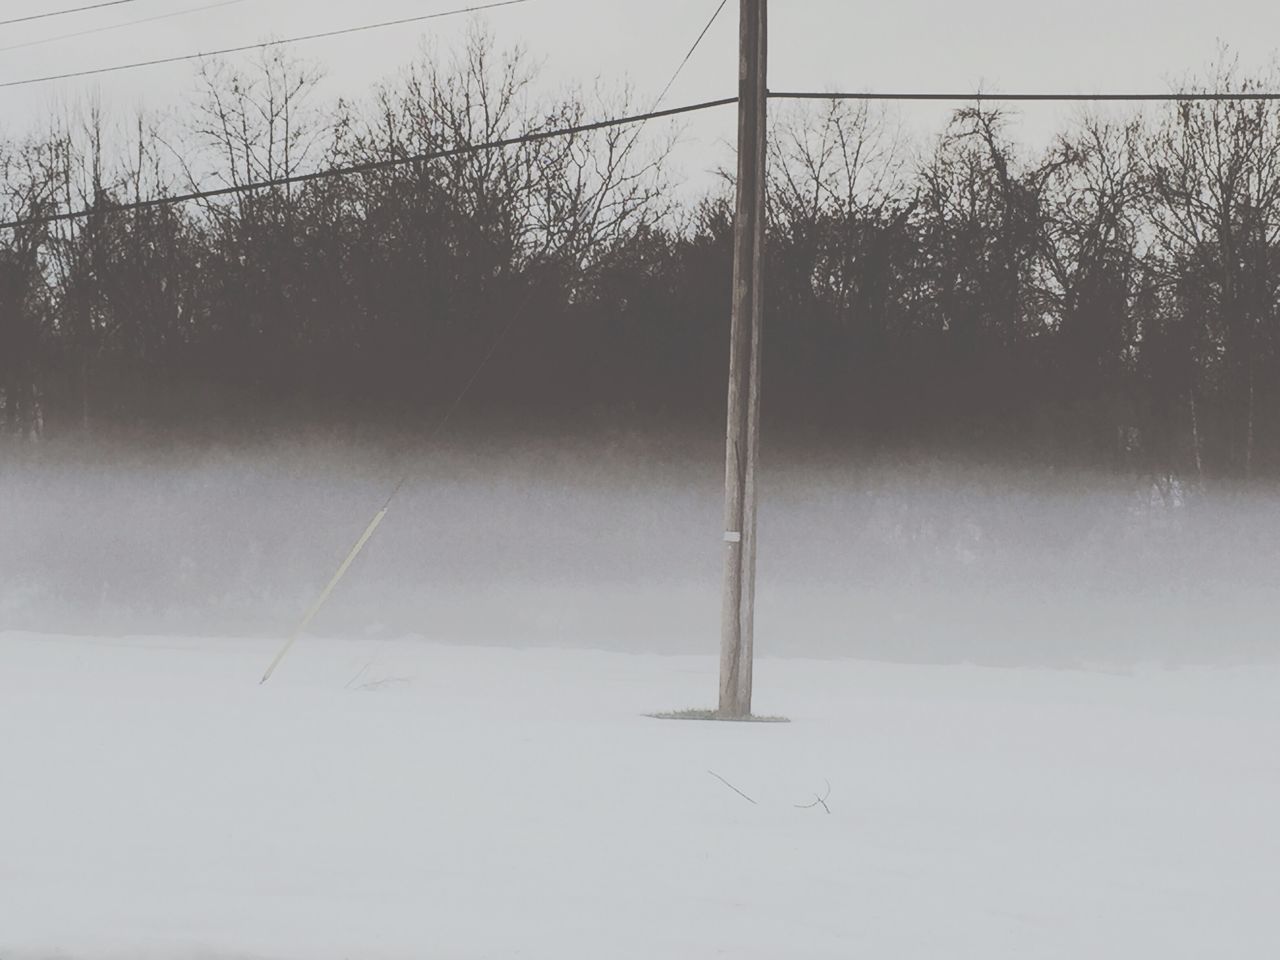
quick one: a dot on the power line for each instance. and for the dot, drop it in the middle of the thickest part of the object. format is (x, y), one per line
(63, 13)
(121, 26)
(674, 77)
(1028, 97)
(262, 45)
(368, 166)
(468, 149)
(689, 56)
(378, 517)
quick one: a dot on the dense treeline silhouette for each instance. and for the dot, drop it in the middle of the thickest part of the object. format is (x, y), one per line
(1110, 302)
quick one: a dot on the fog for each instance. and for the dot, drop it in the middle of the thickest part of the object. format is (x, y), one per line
(613, 542)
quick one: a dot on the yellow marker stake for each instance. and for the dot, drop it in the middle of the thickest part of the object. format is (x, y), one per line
(320, 601)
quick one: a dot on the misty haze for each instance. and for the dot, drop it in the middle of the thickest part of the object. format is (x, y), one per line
(463, 496)
(611, 541)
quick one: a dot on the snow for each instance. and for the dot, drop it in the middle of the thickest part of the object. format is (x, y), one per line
(405, 799)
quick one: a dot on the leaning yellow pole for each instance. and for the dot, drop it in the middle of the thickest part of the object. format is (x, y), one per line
(320, 600)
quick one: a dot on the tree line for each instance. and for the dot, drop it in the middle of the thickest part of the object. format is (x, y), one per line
(1107, 302)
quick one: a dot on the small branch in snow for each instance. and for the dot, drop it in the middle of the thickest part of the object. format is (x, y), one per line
(731, 786)
(358, 676)
(379, 684)
(818, 800)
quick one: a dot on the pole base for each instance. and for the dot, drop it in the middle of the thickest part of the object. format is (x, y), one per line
(714, 716)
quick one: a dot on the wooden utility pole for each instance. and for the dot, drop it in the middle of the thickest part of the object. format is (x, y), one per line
(743, 430)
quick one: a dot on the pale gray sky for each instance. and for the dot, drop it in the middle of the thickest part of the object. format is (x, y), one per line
(1090, 45)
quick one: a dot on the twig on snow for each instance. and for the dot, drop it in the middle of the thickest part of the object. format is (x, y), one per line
(818, 800)
(731, 786)
(379, 684)
(363, 670)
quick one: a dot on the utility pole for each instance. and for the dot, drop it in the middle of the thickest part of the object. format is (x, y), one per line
(743, 428)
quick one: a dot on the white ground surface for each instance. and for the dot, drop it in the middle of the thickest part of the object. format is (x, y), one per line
(155, 802)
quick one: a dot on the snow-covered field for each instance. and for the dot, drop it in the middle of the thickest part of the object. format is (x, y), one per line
(454, 802)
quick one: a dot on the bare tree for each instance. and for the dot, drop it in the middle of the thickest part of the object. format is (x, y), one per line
(30, 174)
(1214, 174)
(1089, 271)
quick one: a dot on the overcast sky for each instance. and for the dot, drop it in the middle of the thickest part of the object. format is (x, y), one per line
(1089, 45)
